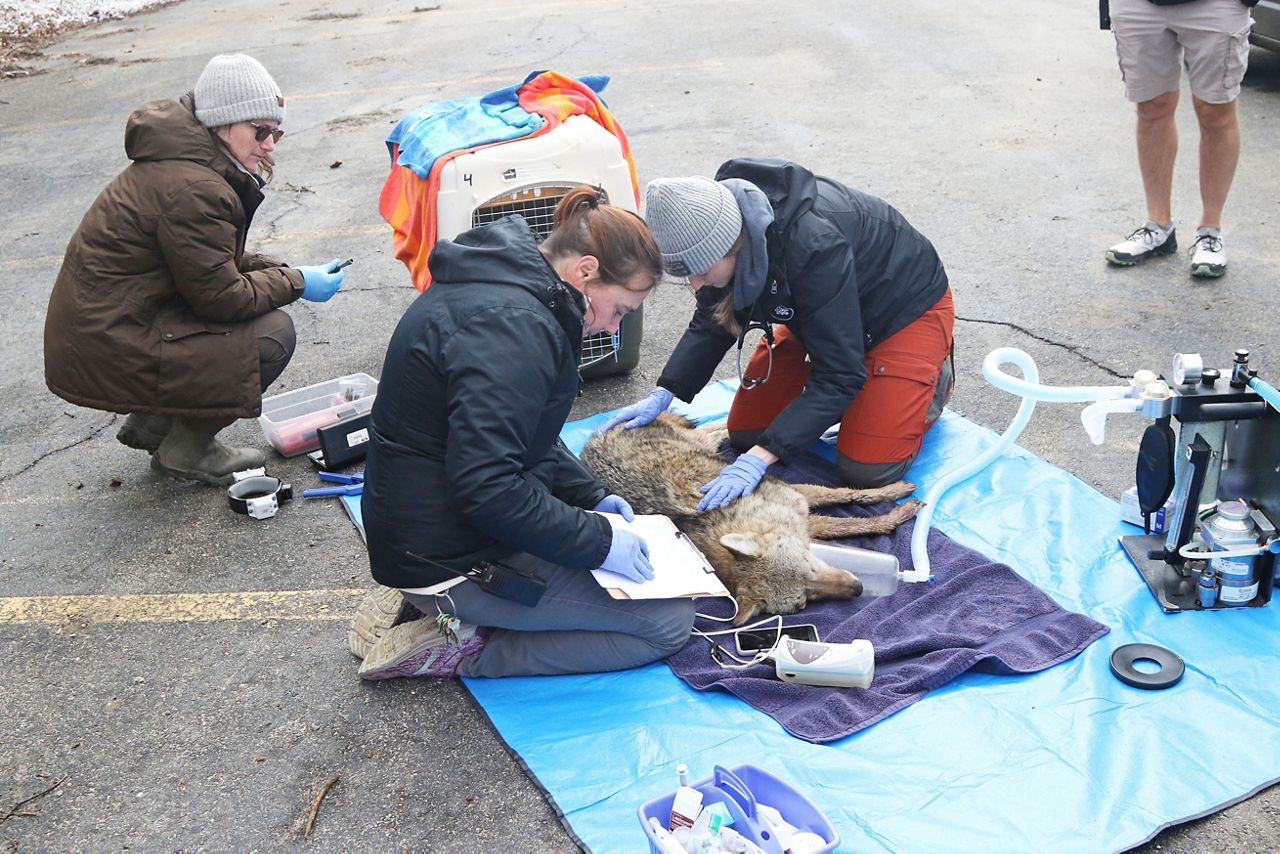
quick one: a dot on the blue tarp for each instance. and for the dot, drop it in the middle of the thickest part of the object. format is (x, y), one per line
(1065, 760)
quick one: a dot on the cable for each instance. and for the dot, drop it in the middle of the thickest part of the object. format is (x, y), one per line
(717, 650)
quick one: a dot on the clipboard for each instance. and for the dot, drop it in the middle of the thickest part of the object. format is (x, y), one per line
(680, 570)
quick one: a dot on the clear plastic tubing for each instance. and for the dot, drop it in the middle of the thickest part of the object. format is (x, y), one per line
(1030, 390)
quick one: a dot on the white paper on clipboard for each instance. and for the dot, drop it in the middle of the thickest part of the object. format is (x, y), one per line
(679, 569)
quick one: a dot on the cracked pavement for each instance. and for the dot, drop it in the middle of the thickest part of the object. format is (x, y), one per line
(1004, 138)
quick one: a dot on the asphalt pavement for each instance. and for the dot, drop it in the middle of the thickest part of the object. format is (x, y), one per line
(211, 722)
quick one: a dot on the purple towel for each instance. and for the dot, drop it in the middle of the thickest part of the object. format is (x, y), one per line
(978, 614)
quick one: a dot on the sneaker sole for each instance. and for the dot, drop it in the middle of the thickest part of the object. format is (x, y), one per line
(1208, 271)
(394, 647)
(1167, 248)
(379, 612)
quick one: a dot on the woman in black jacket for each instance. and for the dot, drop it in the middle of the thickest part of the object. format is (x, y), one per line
(465, 464)
(853, 302)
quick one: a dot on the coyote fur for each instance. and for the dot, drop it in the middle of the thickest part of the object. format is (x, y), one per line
(758, 545)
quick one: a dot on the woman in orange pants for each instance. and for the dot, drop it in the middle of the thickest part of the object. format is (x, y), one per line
(855, 308)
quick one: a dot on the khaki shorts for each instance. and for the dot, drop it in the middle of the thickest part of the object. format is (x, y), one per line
(1210, 38)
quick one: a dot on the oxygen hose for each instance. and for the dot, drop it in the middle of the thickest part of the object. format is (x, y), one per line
(1266, 391)
(1030, 390)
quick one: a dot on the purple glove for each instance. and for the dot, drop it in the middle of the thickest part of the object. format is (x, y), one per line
(629, 556)
(642, 413)
(735, 480)
(616, 504)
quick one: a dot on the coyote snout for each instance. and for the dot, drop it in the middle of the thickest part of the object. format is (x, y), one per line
(759, 545)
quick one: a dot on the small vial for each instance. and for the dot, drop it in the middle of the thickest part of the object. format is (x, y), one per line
(682, 772)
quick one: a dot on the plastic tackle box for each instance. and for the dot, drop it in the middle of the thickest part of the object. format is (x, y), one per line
(290, 420)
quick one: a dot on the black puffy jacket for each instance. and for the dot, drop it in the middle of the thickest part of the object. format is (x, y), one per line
(465, 460)
(846, 271)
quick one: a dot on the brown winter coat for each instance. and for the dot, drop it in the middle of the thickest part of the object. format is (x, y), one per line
(150, 312)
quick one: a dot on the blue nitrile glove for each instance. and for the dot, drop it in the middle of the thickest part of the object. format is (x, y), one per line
(318, 283)
(735, 480)
(642, 413)
(616, 504)
(629, 556)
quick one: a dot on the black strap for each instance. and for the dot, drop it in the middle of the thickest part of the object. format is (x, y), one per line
(258, 496)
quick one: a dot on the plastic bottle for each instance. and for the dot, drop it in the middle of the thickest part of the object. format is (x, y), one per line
(877, 571)
(663, 840)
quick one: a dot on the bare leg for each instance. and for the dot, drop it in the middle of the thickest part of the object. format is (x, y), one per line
(1157, 149)
(1219, 153)
(826, 496)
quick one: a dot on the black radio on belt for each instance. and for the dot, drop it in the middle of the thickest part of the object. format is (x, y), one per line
(497, 578)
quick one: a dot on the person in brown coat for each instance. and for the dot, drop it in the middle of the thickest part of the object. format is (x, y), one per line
(158, 312)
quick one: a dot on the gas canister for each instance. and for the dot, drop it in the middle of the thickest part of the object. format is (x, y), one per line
(1230, 527)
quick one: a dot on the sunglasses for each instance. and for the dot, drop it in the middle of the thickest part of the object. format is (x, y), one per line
(261, 132)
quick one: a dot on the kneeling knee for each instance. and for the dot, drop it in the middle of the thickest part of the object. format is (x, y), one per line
(673, 627)
(870, 475)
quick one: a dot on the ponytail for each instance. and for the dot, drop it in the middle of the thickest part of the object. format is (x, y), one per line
(585, 224)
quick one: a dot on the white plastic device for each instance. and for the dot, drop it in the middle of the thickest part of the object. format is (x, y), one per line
(528, 177)
(834, 665)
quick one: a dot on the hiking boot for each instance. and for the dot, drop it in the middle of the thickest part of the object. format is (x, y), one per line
(382, 609)
(1208, 257)
(1151, 239)
(190, 452)
(420, 648)
(144, 432)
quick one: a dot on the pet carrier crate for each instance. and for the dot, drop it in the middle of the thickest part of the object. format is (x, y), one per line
(529, 177)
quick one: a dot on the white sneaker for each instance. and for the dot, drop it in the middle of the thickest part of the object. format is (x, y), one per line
(1208, 257)
(1151, 239)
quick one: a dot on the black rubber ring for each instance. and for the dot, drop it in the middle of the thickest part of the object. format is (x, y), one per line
(1169, 674)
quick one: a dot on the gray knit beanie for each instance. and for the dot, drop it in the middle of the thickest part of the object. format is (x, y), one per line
(695, 221)
(236, 88)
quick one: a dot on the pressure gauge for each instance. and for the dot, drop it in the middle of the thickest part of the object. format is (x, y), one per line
(1187, 368)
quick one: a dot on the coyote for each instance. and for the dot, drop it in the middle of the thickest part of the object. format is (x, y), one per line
(759, 545)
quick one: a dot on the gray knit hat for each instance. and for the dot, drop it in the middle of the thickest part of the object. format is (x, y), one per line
(695, 221)
(236, 88)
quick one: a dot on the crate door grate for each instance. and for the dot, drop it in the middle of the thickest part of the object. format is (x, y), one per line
(537, 205)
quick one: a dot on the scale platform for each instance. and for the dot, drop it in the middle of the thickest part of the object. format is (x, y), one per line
(1176, 592)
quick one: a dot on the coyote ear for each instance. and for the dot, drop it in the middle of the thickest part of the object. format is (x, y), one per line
(748, 608)
(743, 544)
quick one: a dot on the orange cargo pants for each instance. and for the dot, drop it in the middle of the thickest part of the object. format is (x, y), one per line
(909, 379)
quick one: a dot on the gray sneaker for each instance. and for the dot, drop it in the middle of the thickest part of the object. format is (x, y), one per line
(1208, 257)
(420, 648)
(382, 609)
(1151, 239)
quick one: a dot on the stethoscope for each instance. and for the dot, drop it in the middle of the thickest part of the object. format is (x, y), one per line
(748, 382)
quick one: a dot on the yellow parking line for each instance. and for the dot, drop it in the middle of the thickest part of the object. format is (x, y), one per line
(281, 237)
(318, 605)
(24, 263)
(336, 231)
